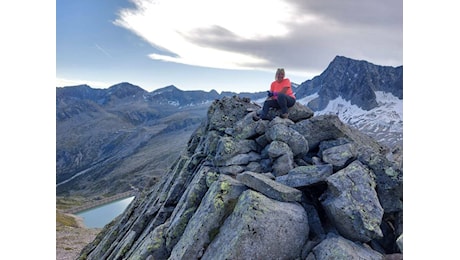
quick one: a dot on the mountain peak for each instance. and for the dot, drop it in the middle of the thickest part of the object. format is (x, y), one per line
(353, 80)
(125, 89)
(342, 64)
(169, 88)
(339, 58)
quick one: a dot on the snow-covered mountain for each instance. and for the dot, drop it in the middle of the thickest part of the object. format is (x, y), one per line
(384, 122)
(364, 95)
(356, 81)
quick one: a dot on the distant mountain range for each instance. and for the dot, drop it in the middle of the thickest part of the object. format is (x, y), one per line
(124, 137)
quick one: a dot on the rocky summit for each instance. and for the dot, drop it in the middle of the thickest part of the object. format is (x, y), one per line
(304, 187)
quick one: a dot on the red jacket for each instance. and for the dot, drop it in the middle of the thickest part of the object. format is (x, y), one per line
(278, 86)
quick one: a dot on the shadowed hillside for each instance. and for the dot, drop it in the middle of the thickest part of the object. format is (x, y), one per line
(115, 140)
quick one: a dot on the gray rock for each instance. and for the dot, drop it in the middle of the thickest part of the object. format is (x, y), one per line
(299, 112)
(278, 148)
(389, 179)
(260, 228)
(331, 143)
(231, 170)
(254, 167)
(202, 227)
(187, 206)
(229, 147)
(224, 113)
(296, 113)
(341, 248)
(338, 156)
(153, 245)
(269, 187)
(351, 202)
(329, 127)
(243, 159)
(283, 164)
(283, 133)
(246, 128)
(306, 175)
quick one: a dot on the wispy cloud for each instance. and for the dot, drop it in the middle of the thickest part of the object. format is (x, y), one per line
(300, 35)
(102, 50)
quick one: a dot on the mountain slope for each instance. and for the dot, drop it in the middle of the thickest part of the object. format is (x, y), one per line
(366, 96)
(354, 81)
(122, 138)
(113, 140)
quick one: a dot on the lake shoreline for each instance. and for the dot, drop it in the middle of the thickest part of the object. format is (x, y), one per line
(70, 240)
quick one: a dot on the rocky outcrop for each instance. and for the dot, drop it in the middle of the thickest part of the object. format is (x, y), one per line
(305, 187)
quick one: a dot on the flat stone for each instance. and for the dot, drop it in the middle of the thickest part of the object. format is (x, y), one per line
(269, 187)
(306, 175)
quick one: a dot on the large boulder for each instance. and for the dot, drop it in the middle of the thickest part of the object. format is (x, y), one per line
(296, 113)
(352, 204)
(337, 247)
(205, 223)
(261, 228)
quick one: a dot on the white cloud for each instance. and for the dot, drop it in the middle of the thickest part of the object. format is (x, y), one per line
(301, 35)
(173, 25)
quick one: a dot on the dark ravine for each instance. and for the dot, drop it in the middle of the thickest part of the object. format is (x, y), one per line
(306, 187)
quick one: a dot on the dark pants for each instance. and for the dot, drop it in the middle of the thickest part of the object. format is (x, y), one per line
(284, 102)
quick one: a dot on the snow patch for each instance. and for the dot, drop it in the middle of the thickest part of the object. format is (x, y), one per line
(307, 99)
(386, 119)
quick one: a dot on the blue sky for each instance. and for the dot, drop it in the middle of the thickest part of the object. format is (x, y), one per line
(223, 45)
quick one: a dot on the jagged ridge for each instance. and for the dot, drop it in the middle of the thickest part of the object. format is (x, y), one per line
(307, 186)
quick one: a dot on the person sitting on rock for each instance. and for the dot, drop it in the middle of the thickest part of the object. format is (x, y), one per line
(280, 96)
